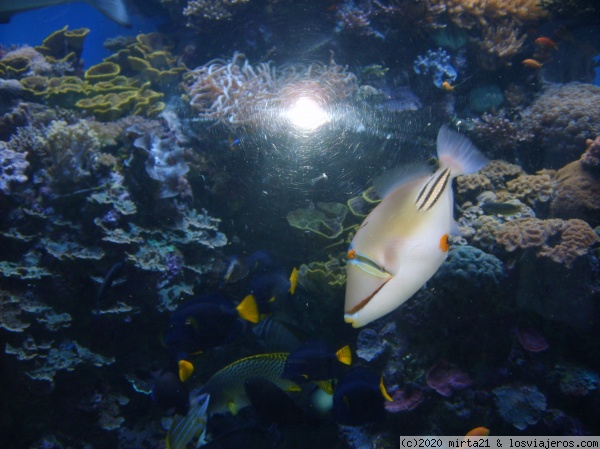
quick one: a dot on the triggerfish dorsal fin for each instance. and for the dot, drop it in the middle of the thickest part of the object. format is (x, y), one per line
(248, 309)
(185, 370)
(392, 179)
(458, 153)
(344, 355)
(293, 281)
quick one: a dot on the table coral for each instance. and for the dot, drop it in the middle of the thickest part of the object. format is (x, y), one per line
(325, 219)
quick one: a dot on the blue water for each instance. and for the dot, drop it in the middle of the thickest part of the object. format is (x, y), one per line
(32, 27)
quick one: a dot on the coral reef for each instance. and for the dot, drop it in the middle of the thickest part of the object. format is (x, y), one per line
(236, 92)
(577, 193)
(521, 406)
(325, 219)
(445, 378)
(198, 11)
(12, 167)
(575, 238)
(436, 64)
(562, 119)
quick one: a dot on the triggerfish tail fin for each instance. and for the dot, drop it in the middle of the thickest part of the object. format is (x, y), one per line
(248, 309)
(325, 385)
(344, 355)
(185, 370)
(458, 153)
(293, 281)
(113, 9)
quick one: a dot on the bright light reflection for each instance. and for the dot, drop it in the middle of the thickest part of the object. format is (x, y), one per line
(306, 114)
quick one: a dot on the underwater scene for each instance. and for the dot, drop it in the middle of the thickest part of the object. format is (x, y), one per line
(294, 224)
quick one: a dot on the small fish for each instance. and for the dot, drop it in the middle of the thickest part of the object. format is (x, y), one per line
(506, 209)
(546, 42)
(185, 428)
(532, 63)
(358, 398)
(404, 240)
(113, 9)
(277, 336)
(185, 370)
(226, 387)
(447, 86)
(293, 281)
(316, 361)
(478, 432)
(206, 322)
(110, 277)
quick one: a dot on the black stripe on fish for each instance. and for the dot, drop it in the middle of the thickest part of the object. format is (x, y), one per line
(432, 190)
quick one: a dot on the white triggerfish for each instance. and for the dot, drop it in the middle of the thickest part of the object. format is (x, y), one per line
(404, 240)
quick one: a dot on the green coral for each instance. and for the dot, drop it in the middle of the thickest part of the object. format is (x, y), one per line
(325, 219)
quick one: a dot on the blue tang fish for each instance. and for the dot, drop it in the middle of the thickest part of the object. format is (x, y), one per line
(404, 240)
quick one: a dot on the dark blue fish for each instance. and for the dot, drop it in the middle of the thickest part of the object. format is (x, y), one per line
(272, 404)
(270, 288)
(315, 361)
(207, 322)
(358, 398)
(169, 392)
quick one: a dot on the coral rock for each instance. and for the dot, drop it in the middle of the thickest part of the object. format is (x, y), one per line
(577, 194)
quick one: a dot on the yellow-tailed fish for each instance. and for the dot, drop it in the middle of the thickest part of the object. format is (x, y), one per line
(404, 240)
(184, 428)
(185, 370)
(293, 281)
(226, 387)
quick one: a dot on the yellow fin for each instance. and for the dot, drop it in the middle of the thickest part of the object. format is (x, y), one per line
(325, 385)
(293, 388)
(233, 408)
(185, 370)
(248, 309)
(272, 299)
(384, 391)
(344, 355)
(293, 281)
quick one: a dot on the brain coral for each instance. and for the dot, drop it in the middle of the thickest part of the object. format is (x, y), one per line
(467, 265)
(577, 194)
(562, 119)
(576, 236)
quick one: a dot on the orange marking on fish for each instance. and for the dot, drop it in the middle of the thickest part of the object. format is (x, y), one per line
(546, 42)
(532, 63)
(444, 245)
(447, 86)
(351, 254)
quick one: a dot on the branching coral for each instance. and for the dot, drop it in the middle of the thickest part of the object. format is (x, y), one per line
(202, 10)
(165, 163)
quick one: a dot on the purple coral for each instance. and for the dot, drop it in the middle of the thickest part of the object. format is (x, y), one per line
(404, 400)
(445, 377)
